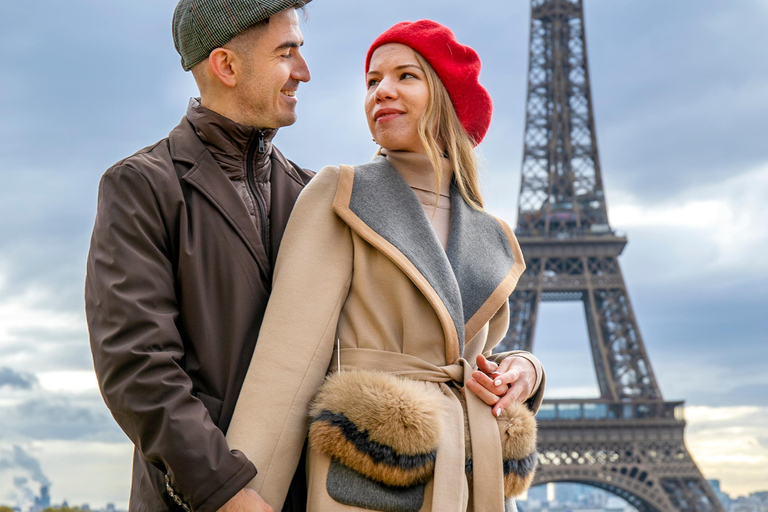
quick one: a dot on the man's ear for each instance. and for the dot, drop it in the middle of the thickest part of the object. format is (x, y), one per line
(222, 62)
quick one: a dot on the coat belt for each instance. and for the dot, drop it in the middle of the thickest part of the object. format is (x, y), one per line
(449, 487)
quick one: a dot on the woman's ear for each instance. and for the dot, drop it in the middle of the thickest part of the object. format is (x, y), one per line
(223, 64)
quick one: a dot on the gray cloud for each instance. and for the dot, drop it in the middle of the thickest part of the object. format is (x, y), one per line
(678, 97)
(21, 468)
(706, 350)
(60, 417)
(24, 460)
(16, 380)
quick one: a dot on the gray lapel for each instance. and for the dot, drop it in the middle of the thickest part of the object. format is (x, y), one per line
(383, 200)
(479, 252)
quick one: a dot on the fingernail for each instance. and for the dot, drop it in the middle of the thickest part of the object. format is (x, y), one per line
(498, 412)
(497, 382)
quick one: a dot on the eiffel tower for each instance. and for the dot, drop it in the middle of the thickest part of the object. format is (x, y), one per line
(629, 441)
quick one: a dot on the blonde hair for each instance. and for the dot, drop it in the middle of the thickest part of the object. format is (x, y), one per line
(442, 134)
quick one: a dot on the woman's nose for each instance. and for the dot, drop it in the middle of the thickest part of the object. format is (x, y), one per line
(386, 90)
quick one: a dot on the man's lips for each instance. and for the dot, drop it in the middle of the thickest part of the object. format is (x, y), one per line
(386, 114)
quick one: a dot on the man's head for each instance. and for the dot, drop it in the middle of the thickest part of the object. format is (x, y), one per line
(252, 76)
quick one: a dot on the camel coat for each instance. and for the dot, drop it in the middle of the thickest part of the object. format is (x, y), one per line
(360, 262)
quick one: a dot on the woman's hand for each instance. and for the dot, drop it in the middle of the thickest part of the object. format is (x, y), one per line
(499, 385)
(246, 500)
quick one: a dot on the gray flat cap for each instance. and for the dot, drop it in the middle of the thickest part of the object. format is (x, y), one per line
(201, 26)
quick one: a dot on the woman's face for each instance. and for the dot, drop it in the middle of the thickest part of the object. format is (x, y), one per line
(397, 97)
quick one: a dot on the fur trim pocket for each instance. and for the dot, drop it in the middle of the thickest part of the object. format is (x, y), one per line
(381, 426)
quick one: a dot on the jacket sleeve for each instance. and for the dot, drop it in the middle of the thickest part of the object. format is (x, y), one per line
(311, 282)
(132, 316)
(498, 327)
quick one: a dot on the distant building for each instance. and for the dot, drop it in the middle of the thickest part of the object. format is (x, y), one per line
(43, 501)
(723, 497)
(538, 493)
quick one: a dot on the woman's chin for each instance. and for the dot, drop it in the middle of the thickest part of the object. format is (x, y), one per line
(398, 145)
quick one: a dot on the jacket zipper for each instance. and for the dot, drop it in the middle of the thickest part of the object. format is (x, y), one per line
(252, 148)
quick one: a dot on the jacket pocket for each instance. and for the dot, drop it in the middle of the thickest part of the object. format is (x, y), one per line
(213, 405)
(384, 427)
(349, 487)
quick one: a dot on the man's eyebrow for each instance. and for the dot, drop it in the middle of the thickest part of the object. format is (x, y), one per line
(289, 44)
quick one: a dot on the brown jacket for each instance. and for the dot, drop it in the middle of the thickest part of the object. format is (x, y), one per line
(360, 262)
(176, 287)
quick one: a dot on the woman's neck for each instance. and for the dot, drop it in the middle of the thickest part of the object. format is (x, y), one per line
(417, 170)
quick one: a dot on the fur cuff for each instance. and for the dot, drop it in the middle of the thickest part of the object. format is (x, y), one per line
(384, 427)
(517, 427)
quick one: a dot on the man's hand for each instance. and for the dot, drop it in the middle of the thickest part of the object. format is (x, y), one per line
(247, 500)
(499, 385)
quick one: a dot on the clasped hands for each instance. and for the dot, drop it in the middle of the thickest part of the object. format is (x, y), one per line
(499, 385)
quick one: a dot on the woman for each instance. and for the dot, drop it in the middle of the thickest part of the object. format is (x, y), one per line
(392, 277)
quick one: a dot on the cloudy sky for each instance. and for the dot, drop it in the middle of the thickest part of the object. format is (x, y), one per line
(681, 103)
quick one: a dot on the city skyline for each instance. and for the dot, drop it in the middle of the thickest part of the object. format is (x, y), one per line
(680, 103)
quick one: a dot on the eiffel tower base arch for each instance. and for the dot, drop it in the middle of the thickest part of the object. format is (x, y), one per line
(644, 461)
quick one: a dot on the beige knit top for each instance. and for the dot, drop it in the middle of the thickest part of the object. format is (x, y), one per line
(417, 171)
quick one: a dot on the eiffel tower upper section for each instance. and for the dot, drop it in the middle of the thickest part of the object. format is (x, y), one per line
(570, 248)
(561, 194)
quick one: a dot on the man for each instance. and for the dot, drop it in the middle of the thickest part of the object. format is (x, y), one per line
(181, 257)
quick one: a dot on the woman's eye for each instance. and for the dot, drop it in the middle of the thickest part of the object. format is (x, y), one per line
(407, 75)
(372, 82)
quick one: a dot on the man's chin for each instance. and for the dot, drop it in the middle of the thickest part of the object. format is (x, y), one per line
(278, 120)
(286, 120)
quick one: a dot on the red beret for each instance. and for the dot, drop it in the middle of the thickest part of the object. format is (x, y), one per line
(458, 67)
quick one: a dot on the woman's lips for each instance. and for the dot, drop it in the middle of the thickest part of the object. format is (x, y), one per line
(387, 115)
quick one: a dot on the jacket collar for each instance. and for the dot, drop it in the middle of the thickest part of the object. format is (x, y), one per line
(468, 282)
(197, 167)
(231, 143)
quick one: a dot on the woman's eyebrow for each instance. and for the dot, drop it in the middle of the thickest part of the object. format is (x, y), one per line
(397, 68)
(403, 66)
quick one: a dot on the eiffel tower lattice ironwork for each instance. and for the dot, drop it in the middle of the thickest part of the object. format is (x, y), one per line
(628, 441)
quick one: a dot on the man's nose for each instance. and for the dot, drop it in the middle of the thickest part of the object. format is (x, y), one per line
(301, 69)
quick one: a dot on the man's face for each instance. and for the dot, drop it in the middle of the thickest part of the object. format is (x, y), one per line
(273, 68)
